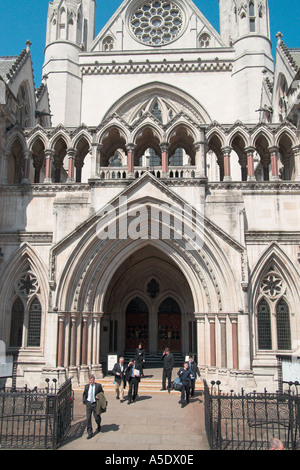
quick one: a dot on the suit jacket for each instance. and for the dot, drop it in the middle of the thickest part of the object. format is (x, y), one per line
(101, 403)
(128, 373)
(195, 370)
(98, 389)
(168, 361)
(117, 368)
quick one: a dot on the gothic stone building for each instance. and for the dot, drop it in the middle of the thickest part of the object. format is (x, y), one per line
(149, 191)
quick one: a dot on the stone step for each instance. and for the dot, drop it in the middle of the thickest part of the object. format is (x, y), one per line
(145, 385)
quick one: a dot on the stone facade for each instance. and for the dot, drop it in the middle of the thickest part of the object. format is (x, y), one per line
(150, 192)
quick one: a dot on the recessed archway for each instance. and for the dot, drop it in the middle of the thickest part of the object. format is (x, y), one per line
(144, 296)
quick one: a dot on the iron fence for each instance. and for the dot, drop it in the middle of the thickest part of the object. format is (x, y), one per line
(35, 419)
(248, 421)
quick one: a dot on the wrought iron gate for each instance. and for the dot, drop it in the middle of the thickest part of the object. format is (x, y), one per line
(249, 421)
(36, 419)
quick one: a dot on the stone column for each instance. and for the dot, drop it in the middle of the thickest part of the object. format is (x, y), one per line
(200, 159)
(25, 179)
(95, 163)
(71, 165)
(235, 358)
(212, 328)
(227, 171)
(4, 171)
(130, 160)
(74, 317)
(274, 165)
(222, 320)
(250, 163)
(164, 159)
(61, 337)
(49, 153)
(96, 366)
(201, 338)
(296, 154)
(84, 339)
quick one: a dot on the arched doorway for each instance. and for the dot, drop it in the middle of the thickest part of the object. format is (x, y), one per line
(137, 325)
(169, 325)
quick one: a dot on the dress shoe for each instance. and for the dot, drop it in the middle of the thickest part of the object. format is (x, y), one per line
(90, 436)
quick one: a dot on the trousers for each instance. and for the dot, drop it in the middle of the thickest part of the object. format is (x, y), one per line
(167, 374)
(91, 411)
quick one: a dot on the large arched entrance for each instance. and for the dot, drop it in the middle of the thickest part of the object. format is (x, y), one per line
(169, 325)
(148, 300)
(136, 325)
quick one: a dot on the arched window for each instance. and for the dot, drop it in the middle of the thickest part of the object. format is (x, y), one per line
(16, 327)
(252, 17)
(264, 325)
(204, 40)
(283, 325)
(34, 324)
(108, 43)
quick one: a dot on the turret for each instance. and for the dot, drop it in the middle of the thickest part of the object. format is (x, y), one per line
(71, 20)
(245, 25)
(70, 30)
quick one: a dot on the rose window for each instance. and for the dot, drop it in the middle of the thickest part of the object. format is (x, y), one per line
(27, 284)
(272, 285)
(156, 23)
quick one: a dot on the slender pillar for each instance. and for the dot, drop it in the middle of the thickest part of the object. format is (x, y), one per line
(130, 160)
(235, 359)
(71, 165)
(200, 158)
(96, 152)
(60, 351)
(227, 171)
(222, 320)
(4, 170)
(250, 163)
(201, 339)
(296, 154)
(25, 179)
(74, 317)
(274, 165)
(49, 153)
(212, 327)
(164, 158)
(85, 318)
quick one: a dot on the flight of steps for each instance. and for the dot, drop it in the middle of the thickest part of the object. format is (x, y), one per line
(147, 384)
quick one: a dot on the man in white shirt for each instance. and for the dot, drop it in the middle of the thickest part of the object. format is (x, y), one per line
(119, 372)
(89, 398)
(133, 379)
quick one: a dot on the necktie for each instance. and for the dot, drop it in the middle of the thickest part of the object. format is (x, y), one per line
(92, 394)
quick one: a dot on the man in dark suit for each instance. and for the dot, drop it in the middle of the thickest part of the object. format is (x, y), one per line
(119, 373)
(168, 359)
(133, 379)
(140, 358)
(195, 371)
(89, 399)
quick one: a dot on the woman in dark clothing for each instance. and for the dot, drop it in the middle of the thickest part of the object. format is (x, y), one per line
(185, 376)
(140, 358)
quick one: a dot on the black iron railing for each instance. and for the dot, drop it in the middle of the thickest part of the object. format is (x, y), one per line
(248, 421)
(35, 419)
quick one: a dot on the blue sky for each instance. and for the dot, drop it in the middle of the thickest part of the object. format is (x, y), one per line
(26, 19)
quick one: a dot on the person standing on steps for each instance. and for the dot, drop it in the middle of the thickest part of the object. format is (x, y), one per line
(89, 398)
(140, 359)
(119, 373)
(168, 359)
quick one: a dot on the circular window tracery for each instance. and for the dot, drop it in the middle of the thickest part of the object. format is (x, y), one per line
(156, 22)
